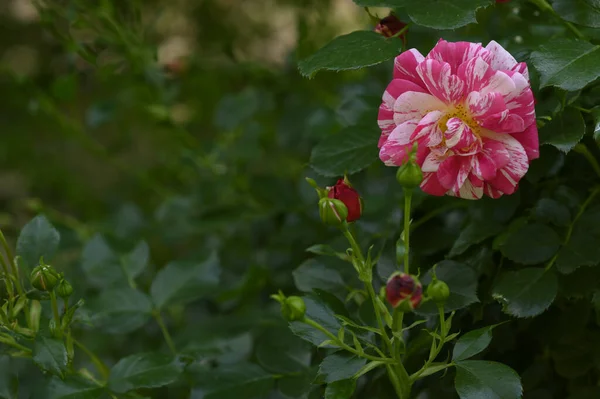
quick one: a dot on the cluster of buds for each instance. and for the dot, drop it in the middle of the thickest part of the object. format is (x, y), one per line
(45, 278)
(405, 291)
(339, 203)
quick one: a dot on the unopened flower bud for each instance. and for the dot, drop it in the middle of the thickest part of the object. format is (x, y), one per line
(332, 211)
(64, 289)
(44, 278)
(438, 291)
(390, 26)
(344, 192)
(404, 291)
(409, 175)
(293, 308)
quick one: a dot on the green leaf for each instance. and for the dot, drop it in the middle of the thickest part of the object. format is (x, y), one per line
(101, 264)
(596, 116)
(312, 274)
(182, 282)
(567, 64)
(444, 14)
(144, 370)
(9, 383)
(352, 51)
(474, 233)
(472, 343)
(342, 389)
(349, 151)
(281, 352)
(581, 12)
(564, 131)
(582, 248)
(73, 387)
(136, 261)
(551, 211)
(37, 239)
(531, 244)
(246, 381)
(340, 366)
(50, 355)
(121, 310)
(297, 386)
(476, 379)
(462, 282)
(526, 292)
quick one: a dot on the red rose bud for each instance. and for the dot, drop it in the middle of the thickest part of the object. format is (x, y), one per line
(344, 192)
(404, 290)
(390, 26)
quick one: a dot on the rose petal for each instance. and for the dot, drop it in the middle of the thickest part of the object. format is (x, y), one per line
(440, 82)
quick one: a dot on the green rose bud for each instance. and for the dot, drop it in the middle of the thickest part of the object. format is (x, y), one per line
(44, 278)
(64, 289)
(409, 175)
(438, 291)
(293, 308)
(333, 212)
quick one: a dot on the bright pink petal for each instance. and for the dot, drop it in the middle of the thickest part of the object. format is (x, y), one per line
(447, 172)
(385, 118)
(483, 166)
(459, 135)
(504, 122)
(529, 139)
(432, 163)
(440, 82)
(499, 58)
(405, 66)
(521, 68)
(428, 129)
(520, 101)
(414, 106)
(507, 178)
(496, 151)
(394, 151)
(471, 189)
(476, 73)
(455, 53)
(482, 106)
(432, 186)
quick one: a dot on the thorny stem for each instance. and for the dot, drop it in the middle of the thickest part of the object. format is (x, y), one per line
(344, 346)
(583, 150)
(165, 332)
(102, 368)
(544, 6)
(438, 348)
(407, 200)
(582, 208)
(54, 304)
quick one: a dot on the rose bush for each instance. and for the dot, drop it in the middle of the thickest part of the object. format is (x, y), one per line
(159, 238)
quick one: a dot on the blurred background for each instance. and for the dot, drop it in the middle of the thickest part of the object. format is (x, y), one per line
(185, 124)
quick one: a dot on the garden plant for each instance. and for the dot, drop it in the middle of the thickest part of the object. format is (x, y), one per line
(217, 200)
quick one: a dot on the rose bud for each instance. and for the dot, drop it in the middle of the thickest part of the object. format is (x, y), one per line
(390, 26)
(44, 277)
(438, 291)
(293, 308)
(404, 291)
(409, 175)
(64, 289)
(344, 192)
(333, 212)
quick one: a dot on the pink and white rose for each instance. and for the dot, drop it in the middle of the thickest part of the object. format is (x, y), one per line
(470, 109)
